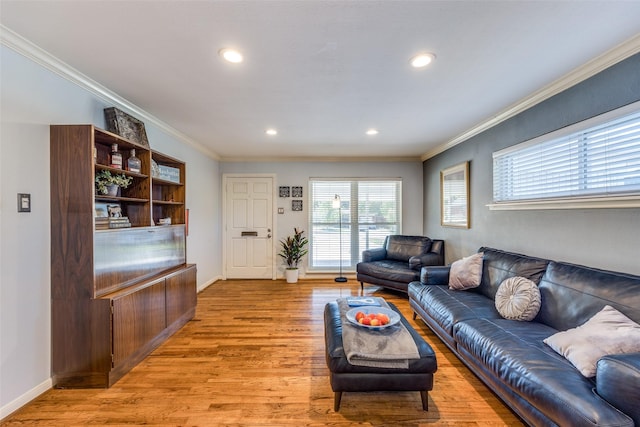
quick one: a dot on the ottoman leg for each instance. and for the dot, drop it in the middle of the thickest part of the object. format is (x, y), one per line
(336, 400)
(425, 400)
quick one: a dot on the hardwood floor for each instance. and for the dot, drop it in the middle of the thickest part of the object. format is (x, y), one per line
(254, 356)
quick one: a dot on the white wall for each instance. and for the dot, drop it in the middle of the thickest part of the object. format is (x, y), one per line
(298, 174)
(32, 98)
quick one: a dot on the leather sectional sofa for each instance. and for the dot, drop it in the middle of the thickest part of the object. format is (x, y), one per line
(539, 385)
(398, 261)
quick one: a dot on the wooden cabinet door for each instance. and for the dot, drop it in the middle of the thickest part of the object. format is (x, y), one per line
(137, 319)
(181, 294)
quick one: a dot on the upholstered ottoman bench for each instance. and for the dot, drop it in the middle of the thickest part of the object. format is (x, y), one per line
(344, 376)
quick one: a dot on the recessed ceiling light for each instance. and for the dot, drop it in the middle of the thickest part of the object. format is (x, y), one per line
(372, 132)
(271, 132)
(231, 55)
(422, 59)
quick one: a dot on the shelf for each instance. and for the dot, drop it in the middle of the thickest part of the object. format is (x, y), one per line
(160, 181)
(123, 171)
(164, 202)
(120, 199)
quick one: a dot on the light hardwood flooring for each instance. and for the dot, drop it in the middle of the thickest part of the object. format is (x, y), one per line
(254, 356)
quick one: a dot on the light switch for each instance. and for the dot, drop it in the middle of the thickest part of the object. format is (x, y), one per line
(280, 210)
(24, 202)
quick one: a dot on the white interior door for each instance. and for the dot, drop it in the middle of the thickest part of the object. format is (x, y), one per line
(249, 228)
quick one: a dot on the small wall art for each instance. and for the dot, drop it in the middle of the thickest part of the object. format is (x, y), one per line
(296, 191)
(284, 191)
(296, 205)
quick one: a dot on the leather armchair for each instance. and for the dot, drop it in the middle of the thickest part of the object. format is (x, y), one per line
(399, 261)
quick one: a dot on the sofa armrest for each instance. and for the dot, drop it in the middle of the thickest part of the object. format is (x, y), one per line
(435, 275)
(618, 382)
(375, 254)
(417, 262)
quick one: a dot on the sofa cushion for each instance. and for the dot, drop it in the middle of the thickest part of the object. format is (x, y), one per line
(465, 273)
(447, 307)
(572, 294)
(500, 265)
(401, 248)
(396, 271)
(518, 299)
(514, 353)
(608, 332)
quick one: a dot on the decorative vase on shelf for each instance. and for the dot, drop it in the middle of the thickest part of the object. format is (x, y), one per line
(112, 190)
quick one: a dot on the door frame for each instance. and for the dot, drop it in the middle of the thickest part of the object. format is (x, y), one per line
(225, 177)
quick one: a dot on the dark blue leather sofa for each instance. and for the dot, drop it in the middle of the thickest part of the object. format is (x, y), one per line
(539, 385)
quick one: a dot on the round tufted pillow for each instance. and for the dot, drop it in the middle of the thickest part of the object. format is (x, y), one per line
(518, 298)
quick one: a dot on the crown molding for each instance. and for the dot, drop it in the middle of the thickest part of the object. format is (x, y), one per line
(619, 53)
(320, 159)
(26, 48)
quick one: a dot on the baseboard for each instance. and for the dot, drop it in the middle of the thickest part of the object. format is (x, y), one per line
(209, 283)
(27, 397)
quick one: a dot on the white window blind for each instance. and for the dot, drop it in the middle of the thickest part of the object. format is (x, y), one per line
(370, 212)
(595, 158)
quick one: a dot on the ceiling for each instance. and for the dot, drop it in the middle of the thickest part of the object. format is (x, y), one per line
(323, 72)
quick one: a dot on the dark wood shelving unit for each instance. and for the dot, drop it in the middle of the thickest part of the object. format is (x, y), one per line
(115, 294)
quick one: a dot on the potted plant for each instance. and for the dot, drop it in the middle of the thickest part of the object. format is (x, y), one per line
(293, 249)
(108, 183)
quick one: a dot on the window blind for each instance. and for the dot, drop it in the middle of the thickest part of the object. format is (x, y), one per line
(600, 160)
(369, 211)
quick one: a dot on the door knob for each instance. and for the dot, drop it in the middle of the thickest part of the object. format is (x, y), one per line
(268, 236)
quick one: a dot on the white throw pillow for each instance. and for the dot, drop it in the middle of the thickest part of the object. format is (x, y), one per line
(607, 332)
(466, 272)
(518, 298)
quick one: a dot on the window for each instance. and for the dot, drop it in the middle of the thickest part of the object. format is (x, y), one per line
(370, 211)
(598, 158)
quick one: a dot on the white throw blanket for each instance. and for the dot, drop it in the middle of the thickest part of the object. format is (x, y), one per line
(390, 347)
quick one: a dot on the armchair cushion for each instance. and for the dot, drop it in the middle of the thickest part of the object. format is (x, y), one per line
(401, 248)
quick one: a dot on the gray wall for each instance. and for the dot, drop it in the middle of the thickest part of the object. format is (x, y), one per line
(602, 238)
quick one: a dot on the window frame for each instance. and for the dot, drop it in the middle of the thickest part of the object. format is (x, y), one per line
(624, 199)
(355, 222)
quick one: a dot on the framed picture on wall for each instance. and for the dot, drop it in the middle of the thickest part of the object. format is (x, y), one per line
(284, 191)
(454, 196)
(296, 191)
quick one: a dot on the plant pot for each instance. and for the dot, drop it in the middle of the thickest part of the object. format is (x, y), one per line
(112, 190)
(291, 274)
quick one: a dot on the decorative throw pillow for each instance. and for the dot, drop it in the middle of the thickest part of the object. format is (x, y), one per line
(466, 272)
(518, 298)
(607, 332)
